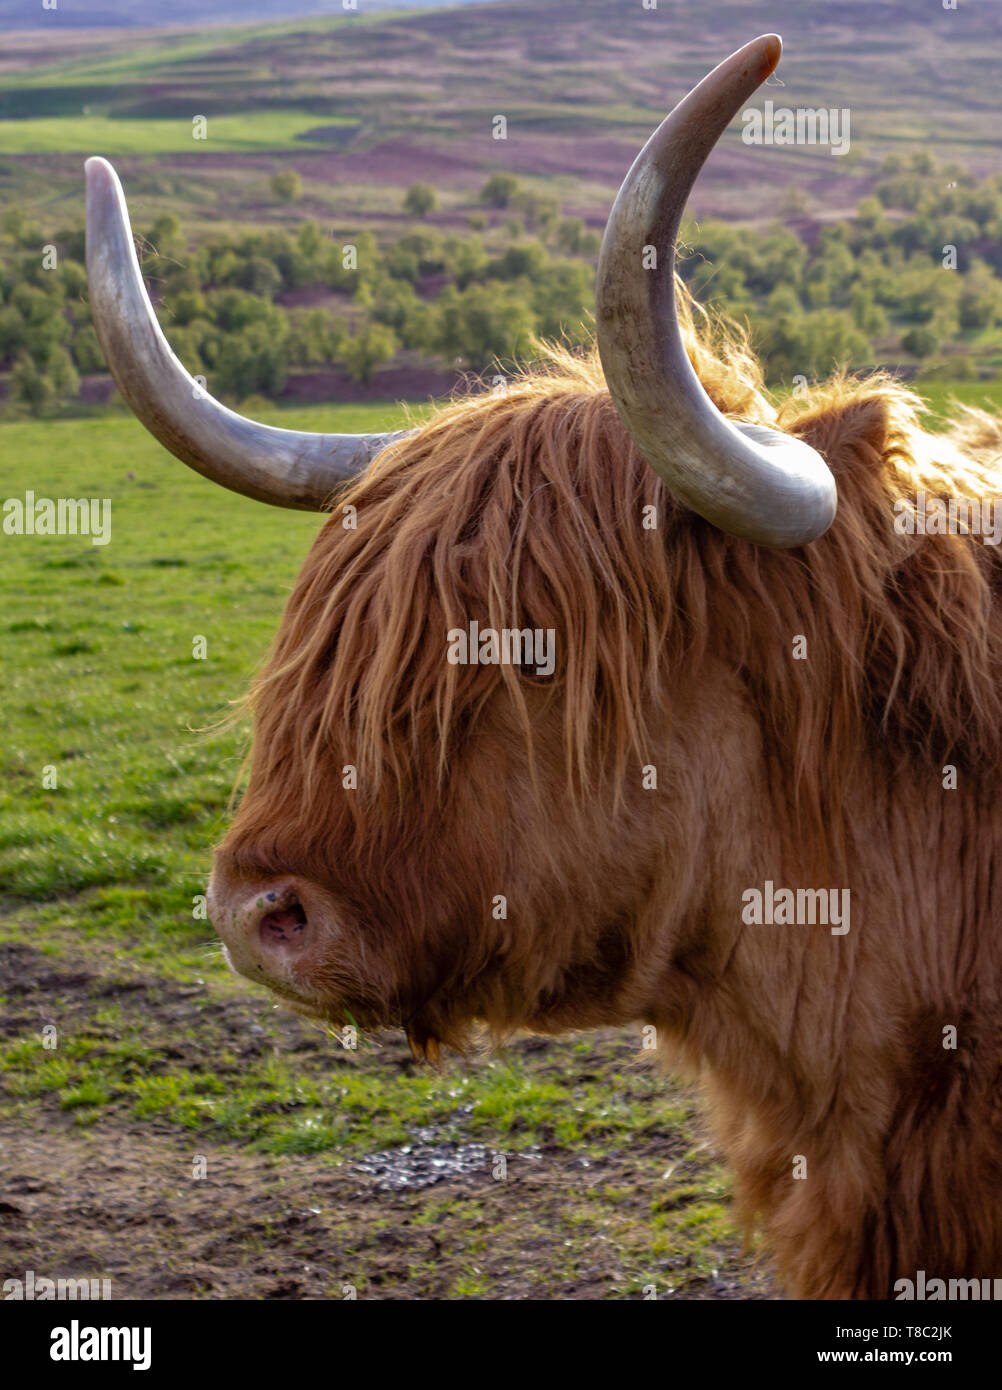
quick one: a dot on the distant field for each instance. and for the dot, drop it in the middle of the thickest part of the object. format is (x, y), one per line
(85, 134)
(125, 14)
(581, 83)
(940, 396)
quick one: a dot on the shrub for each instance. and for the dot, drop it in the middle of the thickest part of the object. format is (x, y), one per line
(287, 186)
(369, 347)
(499, 190)
(420, 199)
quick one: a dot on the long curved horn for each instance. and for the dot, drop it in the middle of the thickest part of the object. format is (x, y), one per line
(288, 468)
(750, 481)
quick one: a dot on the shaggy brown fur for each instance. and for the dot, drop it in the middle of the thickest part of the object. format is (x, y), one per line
(674, 649)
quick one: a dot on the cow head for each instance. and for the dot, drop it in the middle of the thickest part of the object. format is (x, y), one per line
(428, 840)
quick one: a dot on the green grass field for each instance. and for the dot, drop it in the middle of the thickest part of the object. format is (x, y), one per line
(123, 54)
(942, 397)
(87, 134)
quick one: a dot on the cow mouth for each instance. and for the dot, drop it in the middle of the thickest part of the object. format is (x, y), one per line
(324, 1011)
(294, 997)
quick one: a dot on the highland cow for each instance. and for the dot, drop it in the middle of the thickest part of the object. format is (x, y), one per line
(750, 687)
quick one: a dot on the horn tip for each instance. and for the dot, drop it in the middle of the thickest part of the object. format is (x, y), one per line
(98, 172)
(772, 51)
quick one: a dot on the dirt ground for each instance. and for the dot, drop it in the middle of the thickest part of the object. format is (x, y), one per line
(258, 1228)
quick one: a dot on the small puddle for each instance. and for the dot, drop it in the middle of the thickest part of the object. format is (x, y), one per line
(424, 1164)
(421, 1165)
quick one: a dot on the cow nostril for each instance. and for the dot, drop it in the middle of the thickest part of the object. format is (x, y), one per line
(285, 925)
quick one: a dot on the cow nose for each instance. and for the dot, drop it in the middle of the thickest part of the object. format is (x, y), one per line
(267, 926)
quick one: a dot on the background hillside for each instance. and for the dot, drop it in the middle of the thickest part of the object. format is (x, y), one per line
(317, 128)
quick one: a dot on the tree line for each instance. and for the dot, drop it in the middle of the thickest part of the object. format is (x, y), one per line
(915, 276)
